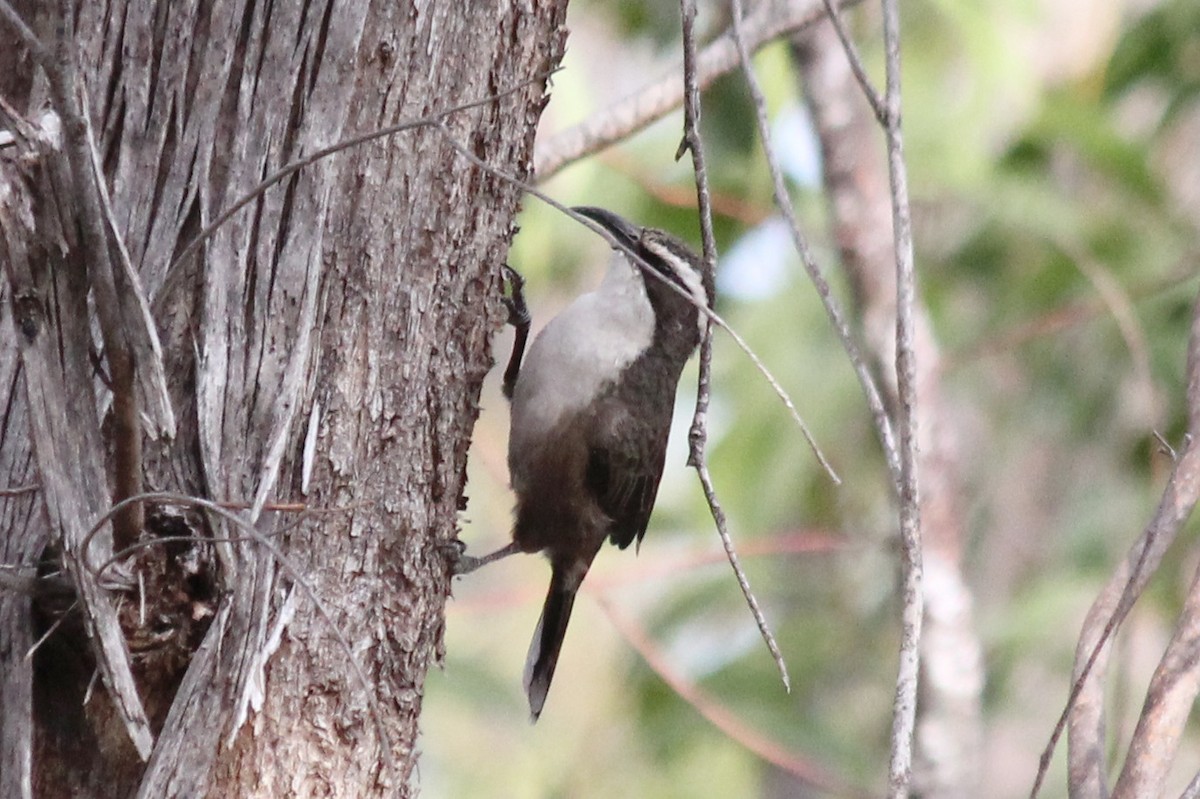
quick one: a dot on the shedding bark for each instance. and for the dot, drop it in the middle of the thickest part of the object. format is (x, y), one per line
(355, 299)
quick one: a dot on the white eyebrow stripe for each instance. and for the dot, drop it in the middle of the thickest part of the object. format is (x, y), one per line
(687, 275)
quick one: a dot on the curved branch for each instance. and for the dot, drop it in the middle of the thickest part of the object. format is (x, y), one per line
(1085, 704)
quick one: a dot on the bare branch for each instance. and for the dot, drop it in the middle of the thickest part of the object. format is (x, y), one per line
(837, 318)
(905, 707)
(769, 21)
(1169, 701)
(856, 64)
(902, 462)
(698, 434)
(949, 734)
(1084, 708)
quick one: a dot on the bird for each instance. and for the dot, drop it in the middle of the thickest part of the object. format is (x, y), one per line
(591, 408)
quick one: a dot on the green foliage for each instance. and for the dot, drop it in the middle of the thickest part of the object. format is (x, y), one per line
(1160, 49)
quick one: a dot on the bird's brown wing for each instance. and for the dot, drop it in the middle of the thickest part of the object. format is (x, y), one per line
(625, 463)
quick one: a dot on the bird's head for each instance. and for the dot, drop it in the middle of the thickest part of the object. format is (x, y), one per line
(671, 259)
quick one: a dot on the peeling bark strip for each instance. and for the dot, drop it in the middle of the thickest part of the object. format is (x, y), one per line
(63, 427)
(21, 319)
(366, 283)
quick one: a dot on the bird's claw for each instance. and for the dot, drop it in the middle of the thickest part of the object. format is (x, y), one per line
(458, 561)
(518, 311)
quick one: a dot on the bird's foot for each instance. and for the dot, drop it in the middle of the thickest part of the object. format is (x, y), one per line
(518, 311)
(457, 559)
(461, 563)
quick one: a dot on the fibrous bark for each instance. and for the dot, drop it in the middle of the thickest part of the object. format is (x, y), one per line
(351, 304)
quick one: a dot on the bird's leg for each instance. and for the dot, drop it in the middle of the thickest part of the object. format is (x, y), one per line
(462, 563)
(518, 317)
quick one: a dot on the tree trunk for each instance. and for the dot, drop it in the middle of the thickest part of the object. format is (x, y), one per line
(324, 346)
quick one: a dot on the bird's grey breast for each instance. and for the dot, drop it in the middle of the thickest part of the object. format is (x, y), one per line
(581, 350)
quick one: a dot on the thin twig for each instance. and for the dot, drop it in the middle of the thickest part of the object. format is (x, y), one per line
(949, 732)
(27, 36)
(17, 491)
(50, 631)
(91, 687)
(436, 118)
(718, 514)
(698, 433)
(841, 327)
(856, 65)
(908, 672)
(692, 141)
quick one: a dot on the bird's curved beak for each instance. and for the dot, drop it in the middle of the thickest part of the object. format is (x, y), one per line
(624, 231)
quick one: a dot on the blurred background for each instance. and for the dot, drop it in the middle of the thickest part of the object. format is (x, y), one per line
(1053, 151)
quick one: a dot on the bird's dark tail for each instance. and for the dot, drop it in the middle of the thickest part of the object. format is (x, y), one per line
(548, 637)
